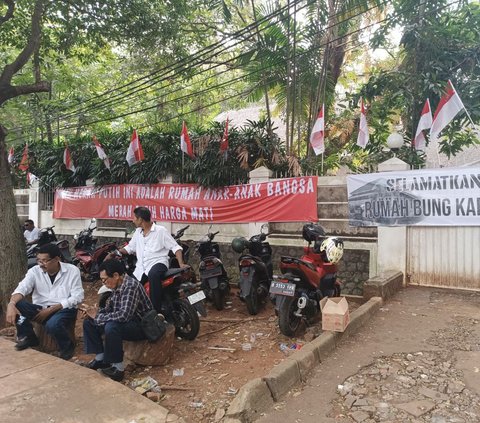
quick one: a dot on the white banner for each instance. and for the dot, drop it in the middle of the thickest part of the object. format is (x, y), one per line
(448, 196)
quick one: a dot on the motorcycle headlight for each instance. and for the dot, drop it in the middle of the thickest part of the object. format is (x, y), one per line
(75, 236)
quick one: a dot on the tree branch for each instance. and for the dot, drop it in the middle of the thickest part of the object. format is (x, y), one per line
(12, 91)
(9, 14)
(33, 41)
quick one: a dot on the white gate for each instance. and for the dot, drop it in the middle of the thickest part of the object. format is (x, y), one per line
(444, 256)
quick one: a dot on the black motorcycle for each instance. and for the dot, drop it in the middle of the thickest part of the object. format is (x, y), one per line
(256, 269)
(213, 277)
(47, 235)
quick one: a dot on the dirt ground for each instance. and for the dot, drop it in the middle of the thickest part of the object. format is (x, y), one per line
(200, 380)
(211, 377)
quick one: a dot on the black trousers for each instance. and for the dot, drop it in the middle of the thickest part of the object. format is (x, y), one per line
(114, 334)
(155, 277)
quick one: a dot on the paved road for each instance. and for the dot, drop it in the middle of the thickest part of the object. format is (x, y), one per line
(37, 387)
(436, 326)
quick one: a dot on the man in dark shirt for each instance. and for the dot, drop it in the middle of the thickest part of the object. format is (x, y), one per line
(119, 320)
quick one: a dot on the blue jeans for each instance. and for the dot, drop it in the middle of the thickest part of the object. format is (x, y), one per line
(56, 325)
(114, 334)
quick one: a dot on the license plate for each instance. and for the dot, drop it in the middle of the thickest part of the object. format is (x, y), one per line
(195, 298)
(282, 288)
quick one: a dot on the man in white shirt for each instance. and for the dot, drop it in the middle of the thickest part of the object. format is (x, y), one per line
(56, 290)
(151, 243)
(31, 233)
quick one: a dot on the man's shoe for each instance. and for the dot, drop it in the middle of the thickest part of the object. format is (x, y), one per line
(68, 353)
(96, 364)
(113, 373)
(26, 342)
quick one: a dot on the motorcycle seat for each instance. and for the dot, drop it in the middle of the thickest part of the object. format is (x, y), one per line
(297, 261)
(176, 271)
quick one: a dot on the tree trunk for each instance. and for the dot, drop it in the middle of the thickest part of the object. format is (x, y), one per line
(13, 260)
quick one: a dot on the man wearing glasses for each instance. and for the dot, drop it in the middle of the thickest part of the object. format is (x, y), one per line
(31, 233)
(105, 329)
(56, 290)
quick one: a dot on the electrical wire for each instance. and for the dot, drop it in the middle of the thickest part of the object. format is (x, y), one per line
(223, 84)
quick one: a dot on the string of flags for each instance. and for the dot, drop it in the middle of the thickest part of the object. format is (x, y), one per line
(449, 106)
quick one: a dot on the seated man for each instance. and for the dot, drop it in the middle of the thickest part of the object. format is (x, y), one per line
(151, 243)
(31, 233)
(119, 320)
(56, 290)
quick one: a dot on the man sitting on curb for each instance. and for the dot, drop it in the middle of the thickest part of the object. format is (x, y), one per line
(56, 290)
(119, 320)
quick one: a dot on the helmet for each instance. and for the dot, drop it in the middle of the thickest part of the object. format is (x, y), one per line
(312, 232)
(239, 244)
(332, 249)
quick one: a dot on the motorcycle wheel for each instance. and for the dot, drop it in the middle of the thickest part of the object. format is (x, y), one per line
(287, 321)
(252, 300)
(185, 320)
(217, 298)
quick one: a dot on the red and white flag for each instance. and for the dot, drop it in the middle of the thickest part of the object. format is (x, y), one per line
(101, 153)
(425, 122)
(67, 159)
(224, 141)
(10, 155)
(135, 151)
(317, 137)
(24, 162)
(185, 144)
(362, 139)
(450, 104)
(31, 178)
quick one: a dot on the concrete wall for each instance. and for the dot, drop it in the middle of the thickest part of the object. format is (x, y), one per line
(358, 265)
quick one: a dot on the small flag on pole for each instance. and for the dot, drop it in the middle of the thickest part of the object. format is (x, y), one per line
(10, 155)
(67, 159)
(101, 153)
(424, 123)
(24, 162)
(317, 137)
(450, 104)
(224, 141)
(362, 139)
(135, 151)
(185, 143)
(31, 178)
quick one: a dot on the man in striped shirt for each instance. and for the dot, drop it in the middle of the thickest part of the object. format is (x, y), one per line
(119, 320)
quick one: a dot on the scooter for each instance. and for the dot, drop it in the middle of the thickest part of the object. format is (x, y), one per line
(88, 257)
(306, 280)
(47, 235)
(256, 269)
(213, 277)
(185, 249)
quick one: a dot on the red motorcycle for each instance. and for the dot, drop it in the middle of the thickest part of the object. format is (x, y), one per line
(88, 256)
(306, 280)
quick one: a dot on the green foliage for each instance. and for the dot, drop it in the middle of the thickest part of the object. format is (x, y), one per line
(249, 148)
(439, 43)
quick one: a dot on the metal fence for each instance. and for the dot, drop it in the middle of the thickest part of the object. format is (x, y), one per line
(47, 196)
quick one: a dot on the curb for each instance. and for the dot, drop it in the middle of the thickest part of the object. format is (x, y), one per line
(259, 394)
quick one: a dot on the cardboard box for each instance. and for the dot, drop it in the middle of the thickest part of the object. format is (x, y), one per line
(335, 314)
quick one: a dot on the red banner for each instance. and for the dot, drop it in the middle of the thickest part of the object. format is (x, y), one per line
(285, 200)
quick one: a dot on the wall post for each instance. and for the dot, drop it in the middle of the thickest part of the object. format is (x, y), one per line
(392, 241)
(261, 174)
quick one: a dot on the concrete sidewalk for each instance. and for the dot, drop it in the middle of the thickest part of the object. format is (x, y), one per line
(420, 352)
(37, 387)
